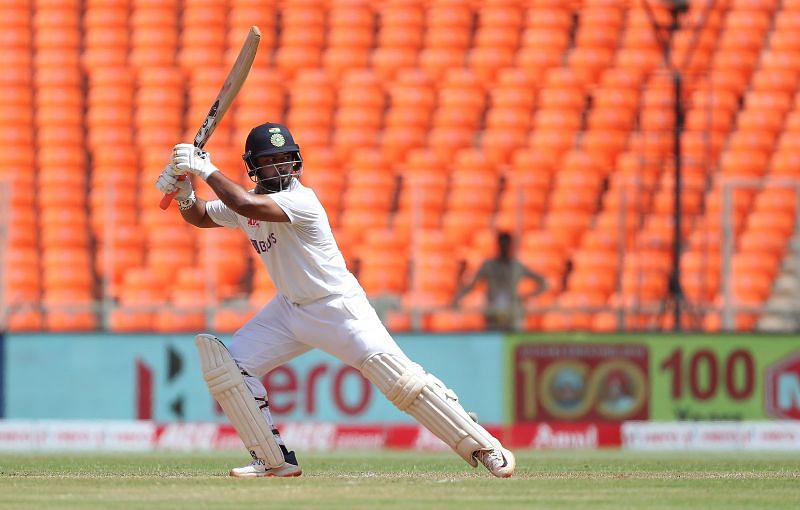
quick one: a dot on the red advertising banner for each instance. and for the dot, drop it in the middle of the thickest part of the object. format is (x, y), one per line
(782, 388)
(548, 436)
(20, 435)
(587, 382)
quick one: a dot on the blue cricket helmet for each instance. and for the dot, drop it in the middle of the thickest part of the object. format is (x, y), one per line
(268, 139)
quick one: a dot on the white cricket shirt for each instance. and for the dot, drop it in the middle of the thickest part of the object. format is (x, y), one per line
(301, 255)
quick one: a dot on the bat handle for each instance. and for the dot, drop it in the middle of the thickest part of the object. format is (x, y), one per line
(167, 198)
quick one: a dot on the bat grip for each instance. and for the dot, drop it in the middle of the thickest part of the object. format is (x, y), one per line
(167, 198)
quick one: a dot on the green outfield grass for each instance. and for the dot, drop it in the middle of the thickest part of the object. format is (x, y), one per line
(392, 480)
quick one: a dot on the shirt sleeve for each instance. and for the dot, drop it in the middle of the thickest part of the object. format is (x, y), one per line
(221, 214)
(526, 271)
(300, 207)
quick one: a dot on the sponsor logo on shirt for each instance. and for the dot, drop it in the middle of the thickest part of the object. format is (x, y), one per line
(265, 245)
(252, 223)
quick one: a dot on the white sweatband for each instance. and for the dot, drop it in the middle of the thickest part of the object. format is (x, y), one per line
(188, 203)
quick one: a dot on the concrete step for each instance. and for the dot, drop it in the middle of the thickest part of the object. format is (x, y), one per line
(782, 305)
(786, 284)
(791, 264)
(776, 324)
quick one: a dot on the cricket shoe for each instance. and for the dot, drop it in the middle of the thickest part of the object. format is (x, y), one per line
(258, 469)
(499, 461)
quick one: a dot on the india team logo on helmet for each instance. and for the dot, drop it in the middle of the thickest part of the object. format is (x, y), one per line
(266, 140)
(269, 138)
(277, 140)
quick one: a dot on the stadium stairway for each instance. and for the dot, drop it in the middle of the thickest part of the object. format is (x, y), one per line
(782, 315)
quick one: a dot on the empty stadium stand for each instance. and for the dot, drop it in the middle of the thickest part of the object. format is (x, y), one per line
(426, 127)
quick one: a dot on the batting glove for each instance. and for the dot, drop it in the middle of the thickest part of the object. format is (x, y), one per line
(167, 183)
(188, 159)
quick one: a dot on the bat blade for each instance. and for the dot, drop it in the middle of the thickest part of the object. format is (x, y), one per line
(233, 83)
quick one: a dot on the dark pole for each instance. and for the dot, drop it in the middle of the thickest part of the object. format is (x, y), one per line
(676, 290)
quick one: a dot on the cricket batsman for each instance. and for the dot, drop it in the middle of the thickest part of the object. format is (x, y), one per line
(319, 304)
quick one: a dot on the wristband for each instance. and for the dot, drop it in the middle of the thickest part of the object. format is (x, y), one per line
(183, 205)
(208, 166)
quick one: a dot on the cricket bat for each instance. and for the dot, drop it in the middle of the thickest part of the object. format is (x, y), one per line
(233, 83)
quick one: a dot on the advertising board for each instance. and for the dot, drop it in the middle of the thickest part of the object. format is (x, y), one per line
(157, 377)
(577, 377)
(521, 378)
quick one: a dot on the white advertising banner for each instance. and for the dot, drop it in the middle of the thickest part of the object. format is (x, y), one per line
(720, 436)
(46, 435)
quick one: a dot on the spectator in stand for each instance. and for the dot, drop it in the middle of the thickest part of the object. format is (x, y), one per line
(505, 308)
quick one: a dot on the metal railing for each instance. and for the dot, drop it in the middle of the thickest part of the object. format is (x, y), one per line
(729, 305)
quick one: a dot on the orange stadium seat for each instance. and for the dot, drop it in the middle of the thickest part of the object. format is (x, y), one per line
(419, 208)
(555, 118)
(555, 15)
(512, 96)
(290, 59)
(455, 116)
(383, 272)
(612, 118)
(449, 321)
(575, 312)
(141, 294)
(753, 241)
(142, 55)
(228, 320)
(553, 40)
(23, 284)
(499, 143)
(393, 35)
(446, 141)
(441, 36)
(188, 302)
(785, 163)
(607, 260)
(459, 224)
(69, 310)
(743, 162)
(437, 61)
(25, 319)
(776, 198)
(367, 117)
(595, 36)
(178, 320)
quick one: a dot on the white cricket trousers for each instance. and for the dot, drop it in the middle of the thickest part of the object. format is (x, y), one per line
(346, 327)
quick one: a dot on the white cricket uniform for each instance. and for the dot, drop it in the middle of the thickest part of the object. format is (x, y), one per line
(319, 302)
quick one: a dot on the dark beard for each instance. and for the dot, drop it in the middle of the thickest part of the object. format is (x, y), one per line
(272, 186)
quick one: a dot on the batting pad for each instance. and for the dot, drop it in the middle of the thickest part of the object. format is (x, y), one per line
(427, 399)
(227, 386)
